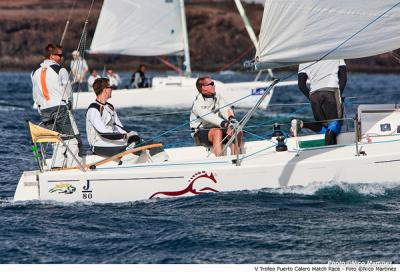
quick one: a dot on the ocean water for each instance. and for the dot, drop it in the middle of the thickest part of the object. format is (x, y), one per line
(314, 224)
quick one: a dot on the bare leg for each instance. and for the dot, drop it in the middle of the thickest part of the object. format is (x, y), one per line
(240, 142)
(215, 137)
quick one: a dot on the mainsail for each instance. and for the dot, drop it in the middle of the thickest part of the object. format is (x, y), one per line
(299, 31)
(139, 28)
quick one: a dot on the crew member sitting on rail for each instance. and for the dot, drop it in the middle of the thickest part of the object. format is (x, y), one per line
(105, 132)
(211, 121)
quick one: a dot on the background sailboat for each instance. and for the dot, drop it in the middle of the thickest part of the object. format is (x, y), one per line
(158, 28)
(142, 28)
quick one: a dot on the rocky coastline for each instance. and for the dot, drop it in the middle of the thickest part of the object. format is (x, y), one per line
(216, 36)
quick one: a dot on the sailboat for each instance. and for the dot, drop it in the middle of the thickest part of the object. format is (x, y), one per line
(158, 28)
(370, 154)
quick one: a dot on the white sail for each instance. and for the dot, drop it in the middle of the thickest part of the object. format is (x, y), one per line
(298, 31)
(139, 28)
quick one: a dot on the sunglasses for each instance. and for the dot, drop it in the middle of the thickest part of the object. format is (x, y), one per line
(60, 55)
(209, 84)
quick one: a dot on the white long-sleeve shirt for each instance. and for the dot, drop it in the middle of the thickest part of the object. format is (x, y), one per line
(90, 81)
(322, 74)
(50, 85)
(79, 69)
(207, 112)
(103, 126)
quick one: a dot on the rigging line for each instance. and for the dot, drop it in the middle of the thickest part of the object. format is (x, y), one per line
(67, 23)
(249, 114)
(82, 46)
(249, 127)
(269, 105)
(342, 43)
(287, 77)
(187, 123)
(355, 34)
(156, 114)
(333, 50)
(256, 152)
(255, 135)
(90, 10)
(352, 36)
(69, 75)
(235, 60)
(288, 104)
(395, 56)
(170, 65)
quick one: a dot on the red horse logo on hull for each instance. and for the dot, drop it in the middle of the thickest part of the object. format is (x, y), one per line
(190, 188)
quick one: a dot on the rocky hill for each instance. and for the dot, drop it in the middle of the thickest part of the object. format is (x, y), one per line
(216, 35)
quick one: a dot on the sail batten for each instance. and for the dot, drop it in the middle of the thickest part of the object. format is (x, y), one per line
(299, 31)
(139, 28)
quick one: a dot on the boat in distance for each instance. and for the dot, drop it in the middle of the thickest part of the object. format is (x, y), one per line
(179, 92)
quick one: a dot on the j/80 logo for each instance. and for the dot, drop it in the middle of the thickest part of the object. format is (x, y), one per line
(87, 192)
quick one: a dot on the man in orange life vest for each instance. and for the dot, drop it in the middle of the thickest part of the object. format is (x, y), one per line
(53, 95)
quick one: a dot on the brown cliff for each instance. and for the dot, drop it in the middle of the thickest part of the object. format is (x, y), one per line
(216, 35)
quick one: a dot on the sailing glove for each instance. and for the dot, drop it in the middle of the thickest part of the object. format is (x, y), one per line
(232, 120)
(132, 137)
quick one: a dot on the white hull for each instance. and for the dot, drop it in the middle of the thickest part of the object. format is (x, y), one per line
(179, 92)
(267, 169)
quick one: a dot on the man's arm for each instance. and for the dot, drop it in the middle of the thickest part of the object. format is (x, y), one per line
(302, 84)
(209, 117)
(342, 74)
(119, 125)
(35, 89)
(65, 85)
(226, 111)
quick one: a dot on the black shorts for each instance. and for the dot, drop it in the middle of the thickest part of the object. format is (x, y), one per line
(201, 137)
(326, 104)
(108, 151)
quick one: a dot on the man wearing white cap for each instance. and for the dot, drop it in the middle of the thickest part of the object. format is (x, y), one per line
(79, 68)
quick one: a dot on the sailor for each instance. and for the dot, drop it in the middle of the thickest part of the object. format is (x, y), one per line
(328, 79)
(53, 96)
(138, 79)
(114, 79)
(211, 120)
(79, 68)
(93, 76)
(106, 134)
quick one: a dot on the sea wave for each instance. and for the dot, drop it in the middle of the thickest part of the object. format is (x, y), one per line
(315, 188)
(7, 107)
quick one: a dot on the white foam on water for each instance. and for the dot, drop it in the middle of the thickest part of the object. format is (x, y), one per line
(367, 189)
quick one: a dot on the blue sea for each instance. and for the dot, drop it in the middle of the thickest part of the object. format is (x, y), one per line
(315, 224)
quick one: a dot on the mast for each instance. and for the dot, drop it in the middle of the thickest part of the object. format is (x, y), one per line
(247, 24)
(185, 39)
(249, 28)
